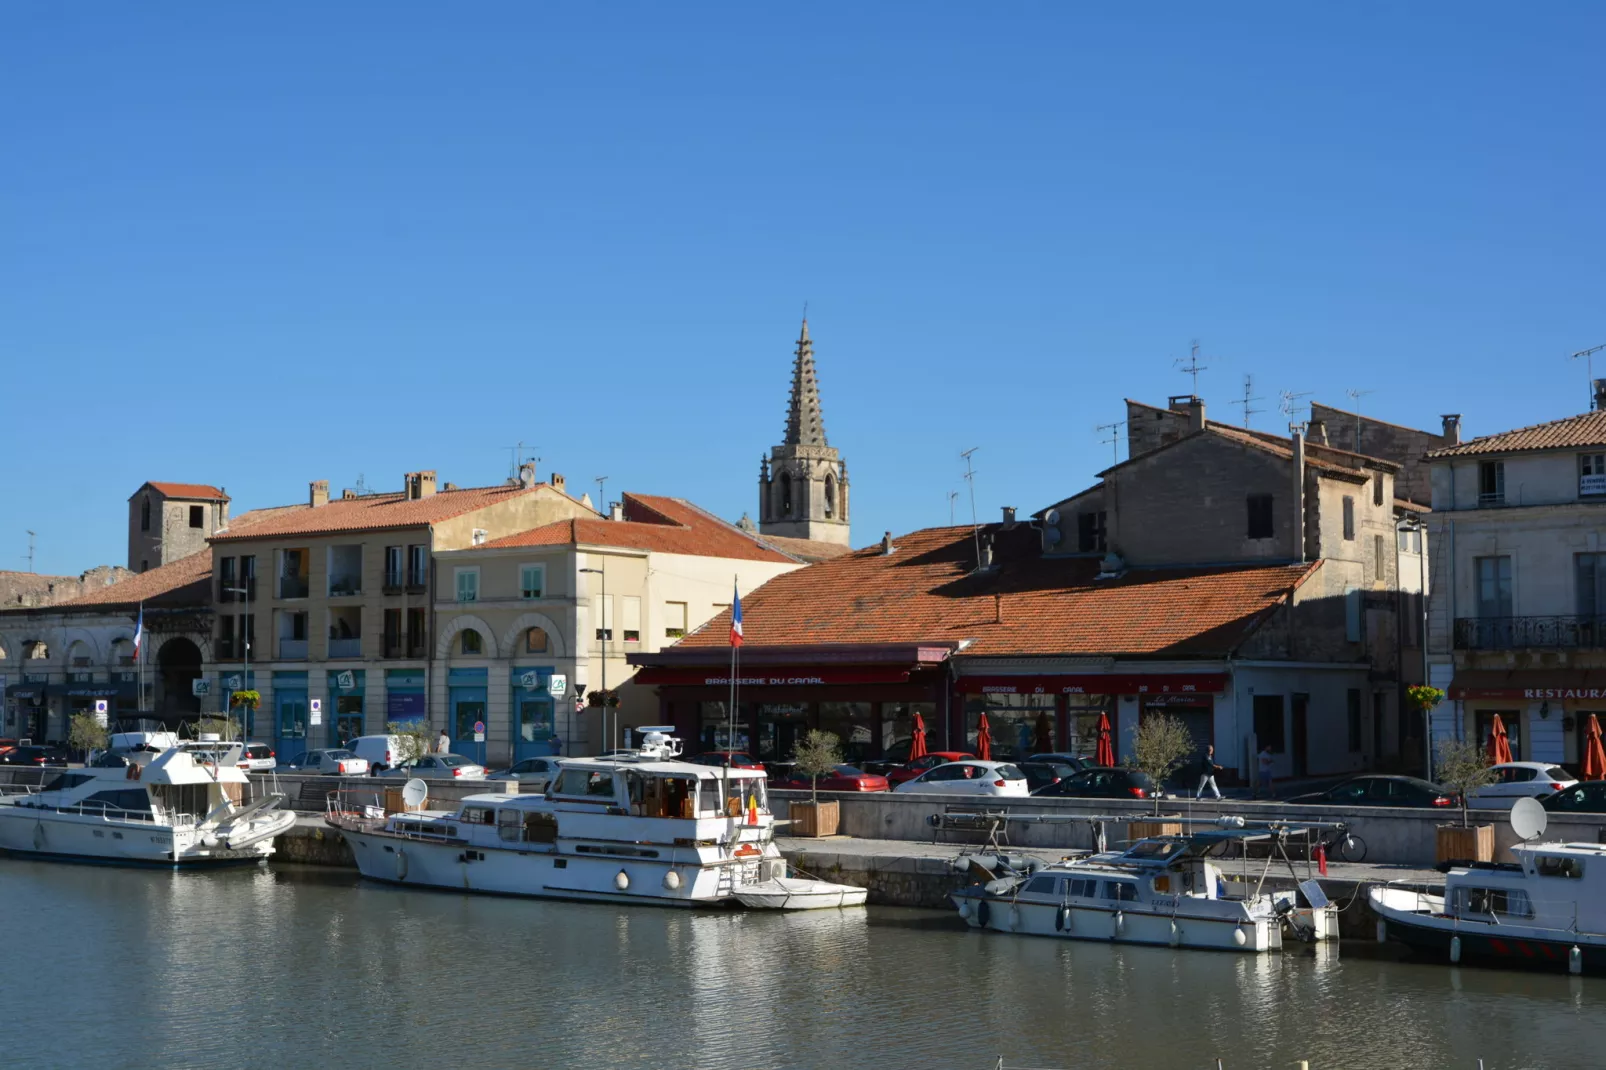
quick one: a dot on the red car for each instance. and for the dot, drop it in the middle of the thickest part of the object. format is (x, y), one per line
(844, 778)
(930, 761)
(738, 759)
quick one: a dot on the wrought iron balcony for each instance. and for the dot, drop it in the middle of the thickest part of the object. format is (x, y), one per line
(1530, 633)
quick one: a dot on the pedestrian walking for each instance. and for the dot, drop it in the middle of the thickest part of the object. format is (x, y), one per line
(1207, 771)
(444, 744)
(1266, 761)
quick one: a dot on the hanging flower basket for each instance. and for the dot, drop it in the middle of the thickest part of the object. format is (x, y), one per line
(249, 699)
(1424, 696)
(599, 699)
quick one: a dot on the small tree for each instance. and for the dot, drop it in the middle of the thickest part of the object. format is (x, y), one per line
(225, 728)
(1159, 748)
(1464, 768)
(85, 733)
(816, 755)
(412, 740)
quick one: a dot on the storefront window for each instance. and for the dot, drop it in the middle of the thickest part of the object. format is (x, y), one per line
(850, 723)
(780, 726)
(1082, 723)
(715, 730)
(1512, 720)
(1021, 725)
(897, 727)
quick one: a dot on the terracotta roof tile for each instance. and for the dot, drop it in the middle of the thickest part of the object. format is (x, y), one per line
(924, 592)
(189, 490)
(653, 523)
(810, 550)
(185, 581)
(1588, 429)
(371, 512)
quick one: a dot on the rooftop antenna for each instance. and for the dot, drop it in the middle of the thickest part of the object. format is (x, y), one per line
(514, 455)
(1589, 365)
(1355, 397)
(602, 498)
(953, 496)
(970, 480)
(362, 485)
(30, 551)
(1191, 366)
(1114, 440)
(1249, 400)
(1288, 405)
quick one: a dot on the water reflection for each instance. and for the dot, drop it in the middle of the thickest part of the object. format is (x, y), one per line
(265, 968)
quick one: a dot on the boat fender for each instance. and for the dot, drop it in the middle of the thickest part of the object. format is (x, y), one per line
(1240, 937)
(1575, 960)
(1062, 919)
(672, 881)
(983, 911)
(1176, 933)
(1455, 949)
(965, 909)
(38, 835)
(401, 864)
(1382, 931)
(1120, 924)
(621, 880)
(1014, 917)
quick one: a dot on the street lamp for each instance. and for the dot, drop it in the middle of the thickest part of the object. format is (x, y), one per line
(1415, 524)
(245, 649)
(607, 737)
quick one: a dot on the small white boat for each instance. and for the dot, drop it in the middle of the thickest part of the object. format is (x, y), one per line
(172, 808)
(639, 827)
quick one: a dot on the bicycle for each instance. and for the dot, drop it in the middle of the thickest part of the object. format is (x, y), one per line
(1340, 842)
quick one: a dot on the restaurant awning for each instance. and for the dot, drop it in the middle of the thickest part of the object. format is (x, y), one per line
(788, 676)
(1208, 683)
(1535, 684)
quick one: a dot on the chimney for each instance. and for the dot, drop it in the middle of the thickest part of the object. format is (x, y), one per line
(1009, 517)
(556, 481)
(1196, 414)
(1316, 431)
(986, 551)
(1299, 493)
(318, 492)
(527, 475)
(1452, 428)
(998, 609)
(1600, 394)
(419, 485)
(616, 511)
(348, 495)
(886, 544)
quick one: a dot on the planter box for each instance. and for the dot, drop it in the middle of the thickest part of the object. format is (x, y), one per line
(394, 803)
(816, 819)
(1142, 830)
(1457, 844)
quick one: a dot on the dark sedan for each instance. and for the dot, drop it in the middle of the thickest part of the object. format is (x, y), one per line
(1585, 797)
(1381, 791)
(1040, 775)
(34, 754)
(1075, 761)
(1101, 782)
(843, 778)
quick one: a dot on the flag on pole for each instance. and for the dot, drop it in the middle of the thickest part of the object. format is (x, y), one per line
(139, 629)
(736, 617)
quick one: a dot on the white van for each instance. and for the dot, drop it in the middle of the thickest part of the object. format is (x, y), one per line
(380, 752)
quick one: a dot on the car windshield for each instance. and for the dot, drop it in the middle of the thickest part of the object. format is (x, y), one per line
(1556, 772)
(452, 759)
(848, 770)
(1010, 772)
(339, 755)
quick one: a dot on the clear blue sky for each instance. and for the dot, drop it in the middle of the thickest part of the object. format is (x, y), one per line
(258, 245)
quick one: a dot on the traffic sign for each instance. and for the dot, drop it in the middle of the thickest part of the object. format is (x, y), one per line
(479, 728)
(315, 708)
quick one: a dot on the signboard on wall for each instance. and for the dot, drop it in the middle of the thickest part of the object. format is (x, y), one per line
(404, 706)
(557, 685)
(315, 711)
(200, 687)
(346, 681)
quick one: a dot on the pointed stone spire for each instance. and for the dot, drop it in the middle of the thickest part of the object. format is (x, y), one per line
(805, 424)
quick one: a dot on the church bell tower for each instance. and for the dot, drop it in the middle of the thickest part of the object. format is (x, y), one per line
(803, 483)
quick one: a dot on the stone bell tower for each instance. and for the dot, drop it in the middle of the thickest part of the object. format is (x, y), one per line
(803, 483)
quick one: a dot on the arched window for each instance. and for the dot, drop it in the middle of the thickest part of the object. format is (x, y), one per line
(469, 642)
(535, 641)
(786, 494)
(35, 650)
(122, 652)
(145, 515)
(78, 654)
(830, 496)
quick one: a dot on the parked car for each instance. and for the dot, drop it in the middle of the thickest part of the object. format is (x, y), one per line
(1520, 780)
(1580, 797)
(1075, 761)
(1102, 782)
(844, 778)
(1040, 775)
(439, 767)
(331, 762)
(738, 759)
(380, 752)
(910, 770)
(973, 777)
(258, 758)
(536, 772)
(37, 754)
(1376, 790)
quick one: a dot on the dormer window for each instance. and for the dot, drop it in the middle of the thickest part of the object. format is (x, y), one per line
(1491, 483)
(1591, 475)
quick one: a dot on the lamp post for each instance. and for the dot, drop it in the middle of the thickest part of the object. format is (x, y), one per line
(245, 650)
(1416, 525)
(607, 737)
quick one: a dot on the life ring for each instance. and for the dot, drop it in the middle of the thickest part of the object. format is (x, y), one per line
(982, 912)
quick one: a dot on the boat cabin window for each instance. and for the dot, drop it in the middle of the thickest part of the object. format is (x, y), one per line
(1559, 866)
(1040, 886)
(1505, 902)
(478, 815)
(1084, 888)
(63, 781)
(122, 799)
(1155, 849)
(586, 783)
(659, 796)
(1121, 890)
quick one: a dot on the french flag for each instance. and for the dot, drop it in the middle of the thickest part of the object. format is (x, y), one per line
(139, 629)
(736, 617)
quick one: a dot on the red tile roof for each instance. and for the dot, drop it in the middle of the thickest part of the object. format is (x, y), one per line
(809, 550)
(663, 525)
(188, 490)
(1588, 429)
(182, 582)
(924, 592)
(371, 512)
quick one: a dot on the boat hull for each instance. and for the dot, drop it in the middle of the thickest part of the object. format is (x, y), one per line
(1446, 940)
(791, 893)
(1130, 926)
(47, 834)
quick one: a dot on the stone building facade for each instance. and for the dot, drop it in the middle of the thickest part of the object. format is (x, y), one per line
(171, 521)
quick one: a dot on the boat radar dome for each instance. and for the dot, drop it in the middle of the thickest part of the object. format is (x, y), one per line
(656, 741)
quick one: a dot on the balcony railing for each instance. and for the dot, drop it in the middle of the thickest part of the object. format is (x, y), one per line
(293, 649)
(340, 586)
(292, 587)
(393, 581)
(345, 648)
(1530, 633)
(394, 644)
(417, 580)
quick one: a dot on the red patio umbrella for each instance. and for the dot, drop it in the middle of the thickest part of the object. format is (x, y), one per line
(1594, 752)
(917, 742)
(1104, 753)
(1499, 742)
(984, 741)
(1045, 734)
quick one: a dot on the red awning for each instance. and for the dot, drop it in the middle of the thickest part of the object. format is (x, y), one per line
(1536, 684)
(790, 676)
(1207, 683)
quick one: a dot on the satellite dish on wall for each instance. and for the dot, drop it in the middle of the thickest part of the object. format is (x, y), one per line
(1528, 819)
(1051, 517)
(414, 792)
(1051, 535)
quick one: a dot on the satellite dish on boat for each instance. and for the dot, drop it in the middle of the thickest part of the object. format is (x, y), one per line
(414, 792)
(1528, 819)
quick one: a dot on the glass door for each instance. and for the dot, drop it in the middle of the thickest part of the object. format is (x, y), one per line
(290, 742)
(533, 727)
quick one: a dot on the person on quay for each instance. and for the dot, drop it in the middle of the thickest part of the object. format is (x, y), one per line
(443, 745)
(1266, 761)
(1207, 771)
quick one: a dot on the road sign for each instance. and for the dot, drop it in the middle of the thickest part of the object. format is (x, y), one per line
(315, 709)
(479, 737)
(557, 685)
(479, 728)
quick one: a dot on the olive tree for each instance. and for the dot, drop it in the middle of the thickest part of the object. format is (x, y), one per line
(413, 741)
(1159, 747)
(817, 754)
(85, 733)
(1464, 768)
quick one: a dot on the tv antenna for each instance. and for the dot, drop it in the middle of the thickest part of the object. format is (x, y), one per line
(516, 456)
(30, 551)
(970, 481)
(1355, 397)
(1114, 440)
(953, 496)
(1589, 365)
(1249, 400)
(602, 498)
(1190, 366)
(362, 486)
(1288, 405)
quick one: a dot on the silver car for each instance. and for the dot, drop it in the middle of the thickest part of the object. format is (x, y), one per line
(439, 767)
(336, 762)
(536, 772)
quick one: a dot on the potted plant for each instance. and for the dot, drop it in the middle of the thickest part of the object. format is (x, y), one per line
(1464, 768)
(816, 754)
(1159, 748)
(85, 733)
(598, 699)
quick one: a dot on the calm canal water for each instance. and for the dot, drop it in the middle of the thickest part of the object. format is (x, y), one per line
(299, 967)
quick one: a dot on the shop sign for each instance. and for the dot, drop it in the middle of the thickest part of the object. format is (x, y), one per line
(791, 677)
(1096, 684)
(346, 681)
(1535, 693)
(557, 684)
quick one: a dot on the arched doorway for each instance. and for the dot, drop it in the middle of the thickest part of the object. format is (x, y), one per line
(179, 665)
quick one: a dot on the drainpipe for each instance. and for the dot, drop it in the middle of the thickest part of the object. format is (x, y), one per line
(1298, 440)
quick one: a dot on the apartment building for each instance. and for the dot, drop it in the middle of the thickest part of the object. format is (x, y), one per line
(1518, 615)
(325, 608)
(574, 599)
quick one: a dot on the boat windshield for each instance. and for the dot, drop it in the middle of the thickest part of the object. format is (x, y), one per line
(732, 797)
(1156, 850)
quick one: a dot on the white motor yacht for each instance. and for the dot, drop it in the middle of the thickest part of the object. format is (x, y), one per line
(172, 808)
(638, 827)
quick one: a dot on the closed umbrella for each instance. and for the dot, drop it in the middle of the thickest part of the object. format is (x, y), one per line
(917, 742)
(1499, 743)
(1594, 751)
(1044, 741)
(984, 741)
(1104, 753)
